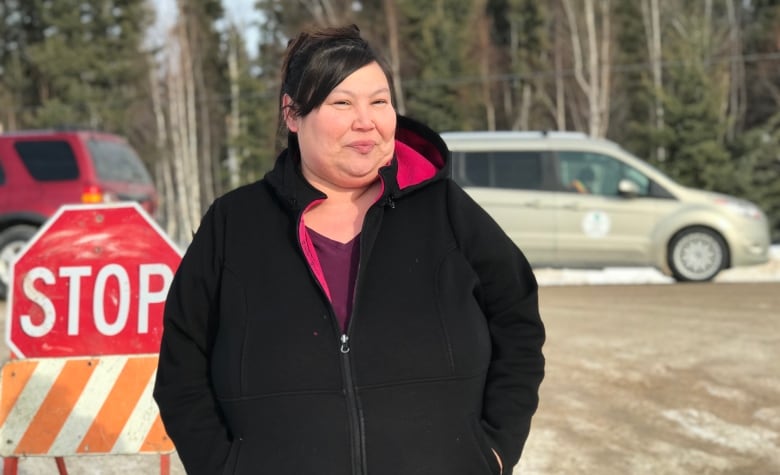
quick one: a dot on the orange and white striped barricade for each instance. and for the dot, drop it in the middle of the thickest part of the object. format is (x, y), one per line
(59, 407)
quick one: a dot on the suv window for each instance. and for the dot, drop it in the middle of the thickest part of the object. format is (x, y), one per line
(115, 161)
(48, 160)
(519, 170)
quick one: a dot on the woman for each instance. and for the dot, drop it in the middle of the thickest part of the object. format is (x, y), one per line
(354, 312)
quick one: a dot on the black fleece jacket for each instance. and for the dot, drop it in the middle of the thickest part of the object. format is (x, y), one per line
(441, 362)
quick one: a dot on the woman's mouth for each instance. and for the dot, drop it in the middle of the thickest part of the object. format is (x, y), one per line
(362, 146)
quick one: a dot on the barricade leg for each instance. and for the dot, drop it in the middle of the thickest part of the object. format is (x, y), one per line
(10, 466)
(61, 465)
(165, 464)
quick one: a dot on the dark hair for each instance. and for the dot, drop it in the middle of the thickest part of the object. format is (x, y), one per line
(317, 61)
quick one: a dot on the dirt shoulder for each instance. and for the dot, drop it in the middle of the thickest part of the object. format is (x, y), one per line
(659, 379)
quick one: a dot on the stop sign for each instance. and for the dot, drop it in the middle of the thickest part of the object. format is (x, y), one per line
(92, 281)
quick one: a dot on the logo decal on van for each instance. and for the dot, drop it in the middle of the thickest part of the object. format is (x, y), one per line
(596, 224)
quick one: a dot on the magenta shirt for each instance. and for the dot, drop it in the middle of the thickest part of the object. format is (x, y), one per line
(339, 263)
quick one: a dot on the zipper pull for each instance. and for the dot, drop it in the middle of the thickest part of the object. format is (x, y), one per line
(344, 343)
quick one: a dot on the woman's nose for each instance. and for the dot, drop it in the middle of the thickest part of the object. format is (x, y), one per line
(363, 118)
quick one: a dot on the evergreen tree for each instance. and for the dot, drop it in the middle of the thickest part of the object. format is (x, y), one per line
(519, 37)
(633, 125)
(258, 142)
(758, 175)
(438, 66)
(83, 62)
(758, 171)
(762, 39)
(697, 154)
(694, 89)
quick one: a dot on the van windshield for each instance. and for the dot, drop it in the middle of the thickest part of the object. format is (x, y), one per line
(116, 161)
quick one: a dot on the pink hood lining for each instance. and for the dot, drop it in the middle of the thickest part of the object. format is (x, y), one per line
(413, 167)
(311, 253)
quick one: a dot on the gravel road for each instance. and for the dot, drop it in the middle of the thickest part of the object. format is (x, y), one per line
(659, 379)
(641, 379)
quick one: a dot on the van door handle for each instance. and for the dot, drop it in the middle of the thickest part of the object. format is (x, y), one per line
(532, 204)
(573, 206)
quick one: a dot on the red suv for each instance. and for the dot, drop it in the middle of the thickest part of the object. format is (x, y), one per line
(43, 169)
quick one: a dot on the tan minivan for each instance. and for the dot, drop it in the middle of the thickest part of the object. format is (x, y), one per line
(569, 200)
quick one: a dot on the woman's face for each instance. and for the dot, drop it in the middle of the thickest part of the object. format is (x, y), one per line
(351, 135)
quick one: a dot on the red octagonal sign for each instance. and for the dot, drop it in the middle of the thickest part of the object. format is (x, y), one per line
(93, 281)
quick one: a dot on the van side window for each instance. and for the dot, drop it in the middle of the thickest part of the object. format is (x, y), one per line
(516, 170)
(2, 175)
(48, 160)
(597, 174)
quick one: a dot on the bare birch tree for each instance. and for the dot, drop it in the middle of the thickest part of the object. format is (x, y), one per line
(592, 78)
(163, 172)
(651, 16)
(523, 115)
(188, 129)
(560, 89)
(483, 40)
(391, 18)
(737, 88)
(193, 23)
(234, 119)
(177, 139)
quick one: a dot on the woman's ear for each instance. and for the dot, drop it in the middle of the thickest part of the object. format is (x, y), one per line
(289, 116)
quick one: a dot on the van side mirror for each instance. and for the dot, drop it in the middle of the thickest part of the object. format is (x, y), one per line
(628, 188)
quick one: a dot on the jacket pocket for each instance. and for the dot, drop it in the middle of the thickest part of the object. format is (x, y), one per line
(485, 446)
(231, 463)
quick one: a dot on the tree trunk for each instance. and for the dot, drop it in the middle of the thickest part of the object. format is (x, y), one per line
(190, 131)
(605, 73)
(163, 175)
(595, 83)
(592, 91)
(391, 17)
(234, 121)
(560, 90)
(651, 14)
(178, 150)
(737, 90)
(483, 32)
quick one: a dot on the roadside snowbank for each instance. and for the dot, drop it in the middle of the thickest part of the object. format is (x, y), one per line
(769, 272)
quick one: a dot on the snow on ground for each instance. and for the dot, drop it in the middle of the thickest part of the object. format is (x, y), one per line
(769, 272)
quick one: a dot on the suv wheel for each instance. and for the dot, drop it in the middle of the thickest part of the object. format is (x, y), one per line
(12, 241)
(697, 255)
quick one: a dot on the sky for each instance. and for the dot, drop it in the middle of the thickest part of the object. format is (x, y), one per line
(240, 12)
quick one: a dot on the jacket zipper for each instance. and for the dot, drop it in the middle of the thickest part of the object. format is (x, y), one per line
(353, 406)
(353, 412)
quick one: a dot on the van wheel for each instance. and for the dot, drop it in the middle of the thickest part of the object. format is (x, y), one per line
(12, 241)
(697, 255)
